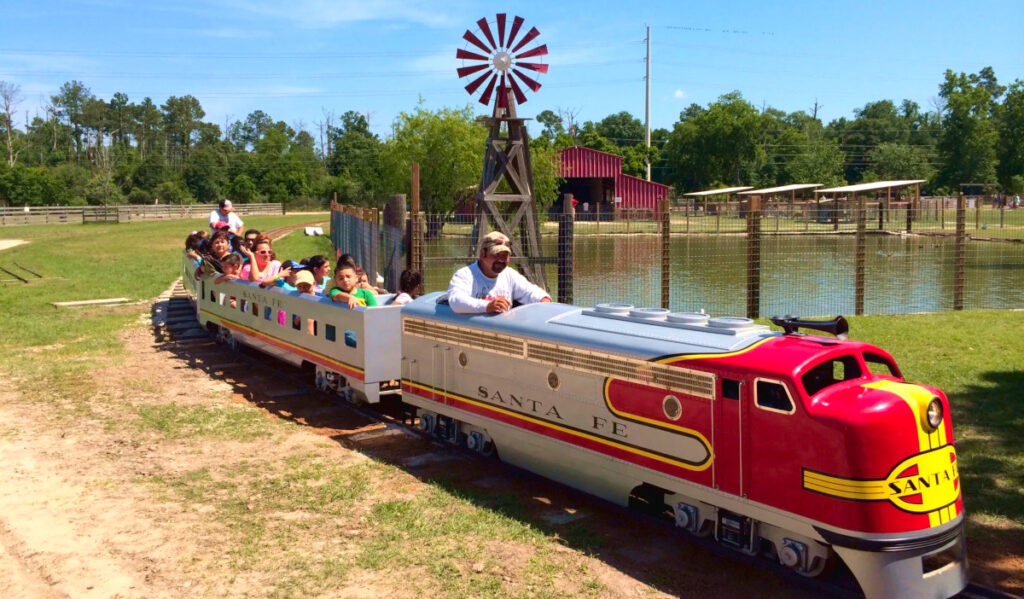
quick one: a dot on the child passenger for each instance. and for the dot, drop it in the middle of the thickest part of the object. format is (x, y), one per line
(305, 282)
(232, 266)
(346, 288)
(409, 287)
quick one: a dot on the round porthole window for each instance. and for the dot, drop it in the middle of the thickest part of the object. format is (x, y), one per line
(673, 409)
(463, 359)
(552, 380)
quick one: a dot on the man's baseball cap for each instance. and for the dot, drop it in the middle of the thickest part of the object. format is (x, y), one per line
(226, 204)
(495, 243)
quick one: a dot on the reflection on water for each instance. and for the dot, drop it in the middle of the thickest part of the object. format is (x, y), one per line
(803, 275)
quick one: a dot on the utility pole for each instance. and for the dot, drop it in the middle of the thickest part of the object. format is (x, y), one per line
(647, 106)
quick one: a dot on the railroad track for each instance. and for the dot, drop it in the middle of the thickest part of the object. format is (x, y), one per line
(383, 433)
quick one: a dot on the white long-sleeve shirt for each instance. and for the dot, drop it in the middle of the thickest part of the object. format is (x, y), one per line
(470, 290)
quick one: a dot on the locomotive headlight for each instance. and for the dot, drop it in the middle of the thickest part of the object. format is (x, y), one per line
(934, 413)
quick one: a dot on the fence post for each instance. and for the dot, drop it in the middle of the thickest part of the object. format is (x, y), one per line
(665, 216)
(960, 253)
(394, 220)
(858, 284)
(566, 250)
(754, 256)
(977, 212)
(910, 220)
(416, 227)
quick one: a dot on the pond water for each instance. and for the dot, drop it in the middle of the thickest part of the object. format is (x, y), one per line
(800, 274)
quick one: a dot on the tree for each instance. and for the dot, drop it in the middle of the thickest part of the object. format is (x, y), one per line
(147, 126)
(181, 118)
(622, 128)
(1010, 149)
(898, 162)
(820, 162)
(355, 160)
(10, 96)
(968, 145)
(70, 105)
(717, 143)
(447, 143)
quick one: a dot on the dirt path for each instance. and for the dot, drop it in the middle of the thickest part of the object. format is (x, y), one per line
(9, 243)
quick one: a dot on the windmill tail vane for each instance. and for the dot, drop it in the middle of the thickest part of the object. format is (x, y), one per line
(499, 65)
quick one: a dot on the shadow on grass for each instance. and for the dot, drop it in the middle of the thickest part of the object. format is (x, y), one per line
(992, 471)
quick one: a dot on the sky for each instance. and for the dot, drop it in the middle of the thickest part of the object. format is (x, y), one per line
(304, 61)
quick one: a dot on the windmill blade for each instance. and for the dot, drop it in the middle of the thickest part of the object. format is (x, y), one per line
(533, 66)
(469, 37)
(530, 83)
(541, 50)
(486, 29)
(501, 29)
(485, 98)
(473, 85)
(520, 96)
(466, 54)
(529, 37)
(463, 71)
(516, 24)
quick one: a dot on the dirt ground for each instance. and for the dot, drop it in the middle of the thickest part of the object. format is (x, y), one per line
(9, 243)
(79, 519)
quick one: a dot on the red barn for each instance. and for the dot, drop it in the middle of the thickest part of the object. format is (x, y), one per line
(596, 180)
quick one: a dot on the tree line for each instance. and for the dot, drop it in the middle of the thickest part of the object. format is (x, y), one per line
(87, 150)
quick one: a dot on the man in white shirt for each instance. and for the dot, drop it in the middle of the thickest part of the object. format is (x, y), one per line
(225, 217)
(488, 285)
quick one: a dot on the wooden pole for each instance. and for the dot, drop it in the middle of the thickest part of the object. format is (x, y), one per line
(394, 221)
(858, 284)
(666, 261)
(416, 253)
(960, 251)
(566, 250)
(754, 257)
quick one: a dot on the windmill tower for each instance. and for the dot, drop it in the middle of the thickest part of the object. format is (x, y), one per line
(509, 208)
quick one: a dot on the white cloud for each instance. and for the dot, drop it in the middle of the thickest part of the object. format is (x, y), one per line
(679, 94)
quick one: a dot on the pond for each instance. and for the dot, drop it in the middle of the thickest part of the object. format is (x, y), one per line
(800, 274)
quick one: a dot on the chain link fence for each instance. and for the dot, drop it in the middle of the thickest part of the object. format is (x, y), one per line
(810, 258)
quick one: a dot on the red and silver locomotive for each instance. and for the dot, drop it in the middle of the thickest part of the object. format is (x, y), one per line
(797, 446)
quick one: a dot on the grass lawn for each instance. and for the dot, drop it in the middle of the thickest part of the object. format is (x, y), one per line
(50, 355)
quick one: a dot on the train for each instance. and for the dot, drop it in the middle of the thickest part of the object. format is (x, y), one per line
(793, 445)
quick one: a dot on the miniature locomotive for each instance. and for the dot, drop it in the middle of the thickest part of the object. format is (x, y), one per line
(795, 446)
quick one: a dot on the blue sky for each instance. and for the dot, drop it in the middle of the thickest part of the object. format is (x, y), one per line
(302, 59)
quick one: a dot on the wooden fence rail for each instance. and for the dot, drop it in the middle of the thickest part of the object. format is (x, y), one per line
(76, 215)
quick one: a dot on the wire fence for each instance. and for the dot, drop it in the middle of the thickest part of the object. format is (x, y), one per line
(762, 259)
(124, 213)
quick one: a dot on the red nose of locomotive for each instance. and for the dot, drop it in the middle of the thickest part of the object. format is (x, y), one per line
(899, 472)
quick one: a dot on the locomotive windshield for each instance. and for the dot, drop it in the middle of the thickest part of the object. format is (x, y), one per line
(829, 373)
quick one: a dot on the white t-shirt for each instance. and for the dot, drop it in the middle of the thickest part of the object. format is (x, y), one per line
(471, 290)
(234, 222)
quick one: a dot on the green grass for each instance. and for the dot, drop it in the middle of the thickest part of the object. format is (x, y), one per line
(221, 422)
(438, 538)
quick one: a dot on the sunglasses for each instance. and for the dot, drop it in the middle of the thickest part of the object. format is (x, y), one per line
(264, 252)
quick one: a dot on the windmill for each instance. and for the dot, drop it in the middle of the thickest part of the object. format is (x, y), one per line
(498, 69)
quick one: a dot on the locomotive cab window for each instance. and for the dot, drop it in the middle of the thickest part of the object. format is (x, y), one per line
(829, 373)
(730, 389)
(773, 396)
(881, 365)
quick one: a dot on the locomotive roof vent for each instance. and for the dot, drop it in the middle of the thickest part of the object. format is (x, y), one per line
(730, 322)
(688, 317)
(615, 308)
(649, 313)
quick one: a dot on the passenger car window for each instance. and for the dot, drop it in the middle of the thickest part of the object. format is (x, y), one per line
(880, 365)
(829, 373)
(730, 389)
(773, 396)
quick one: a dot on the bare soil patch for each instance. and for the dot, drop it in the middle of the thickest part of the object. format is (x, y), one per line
(9, 243)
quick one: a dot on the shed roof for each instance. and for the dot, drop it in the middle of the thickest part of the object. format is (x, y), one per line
(780, 189)
(869, 186)
(715, 192)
